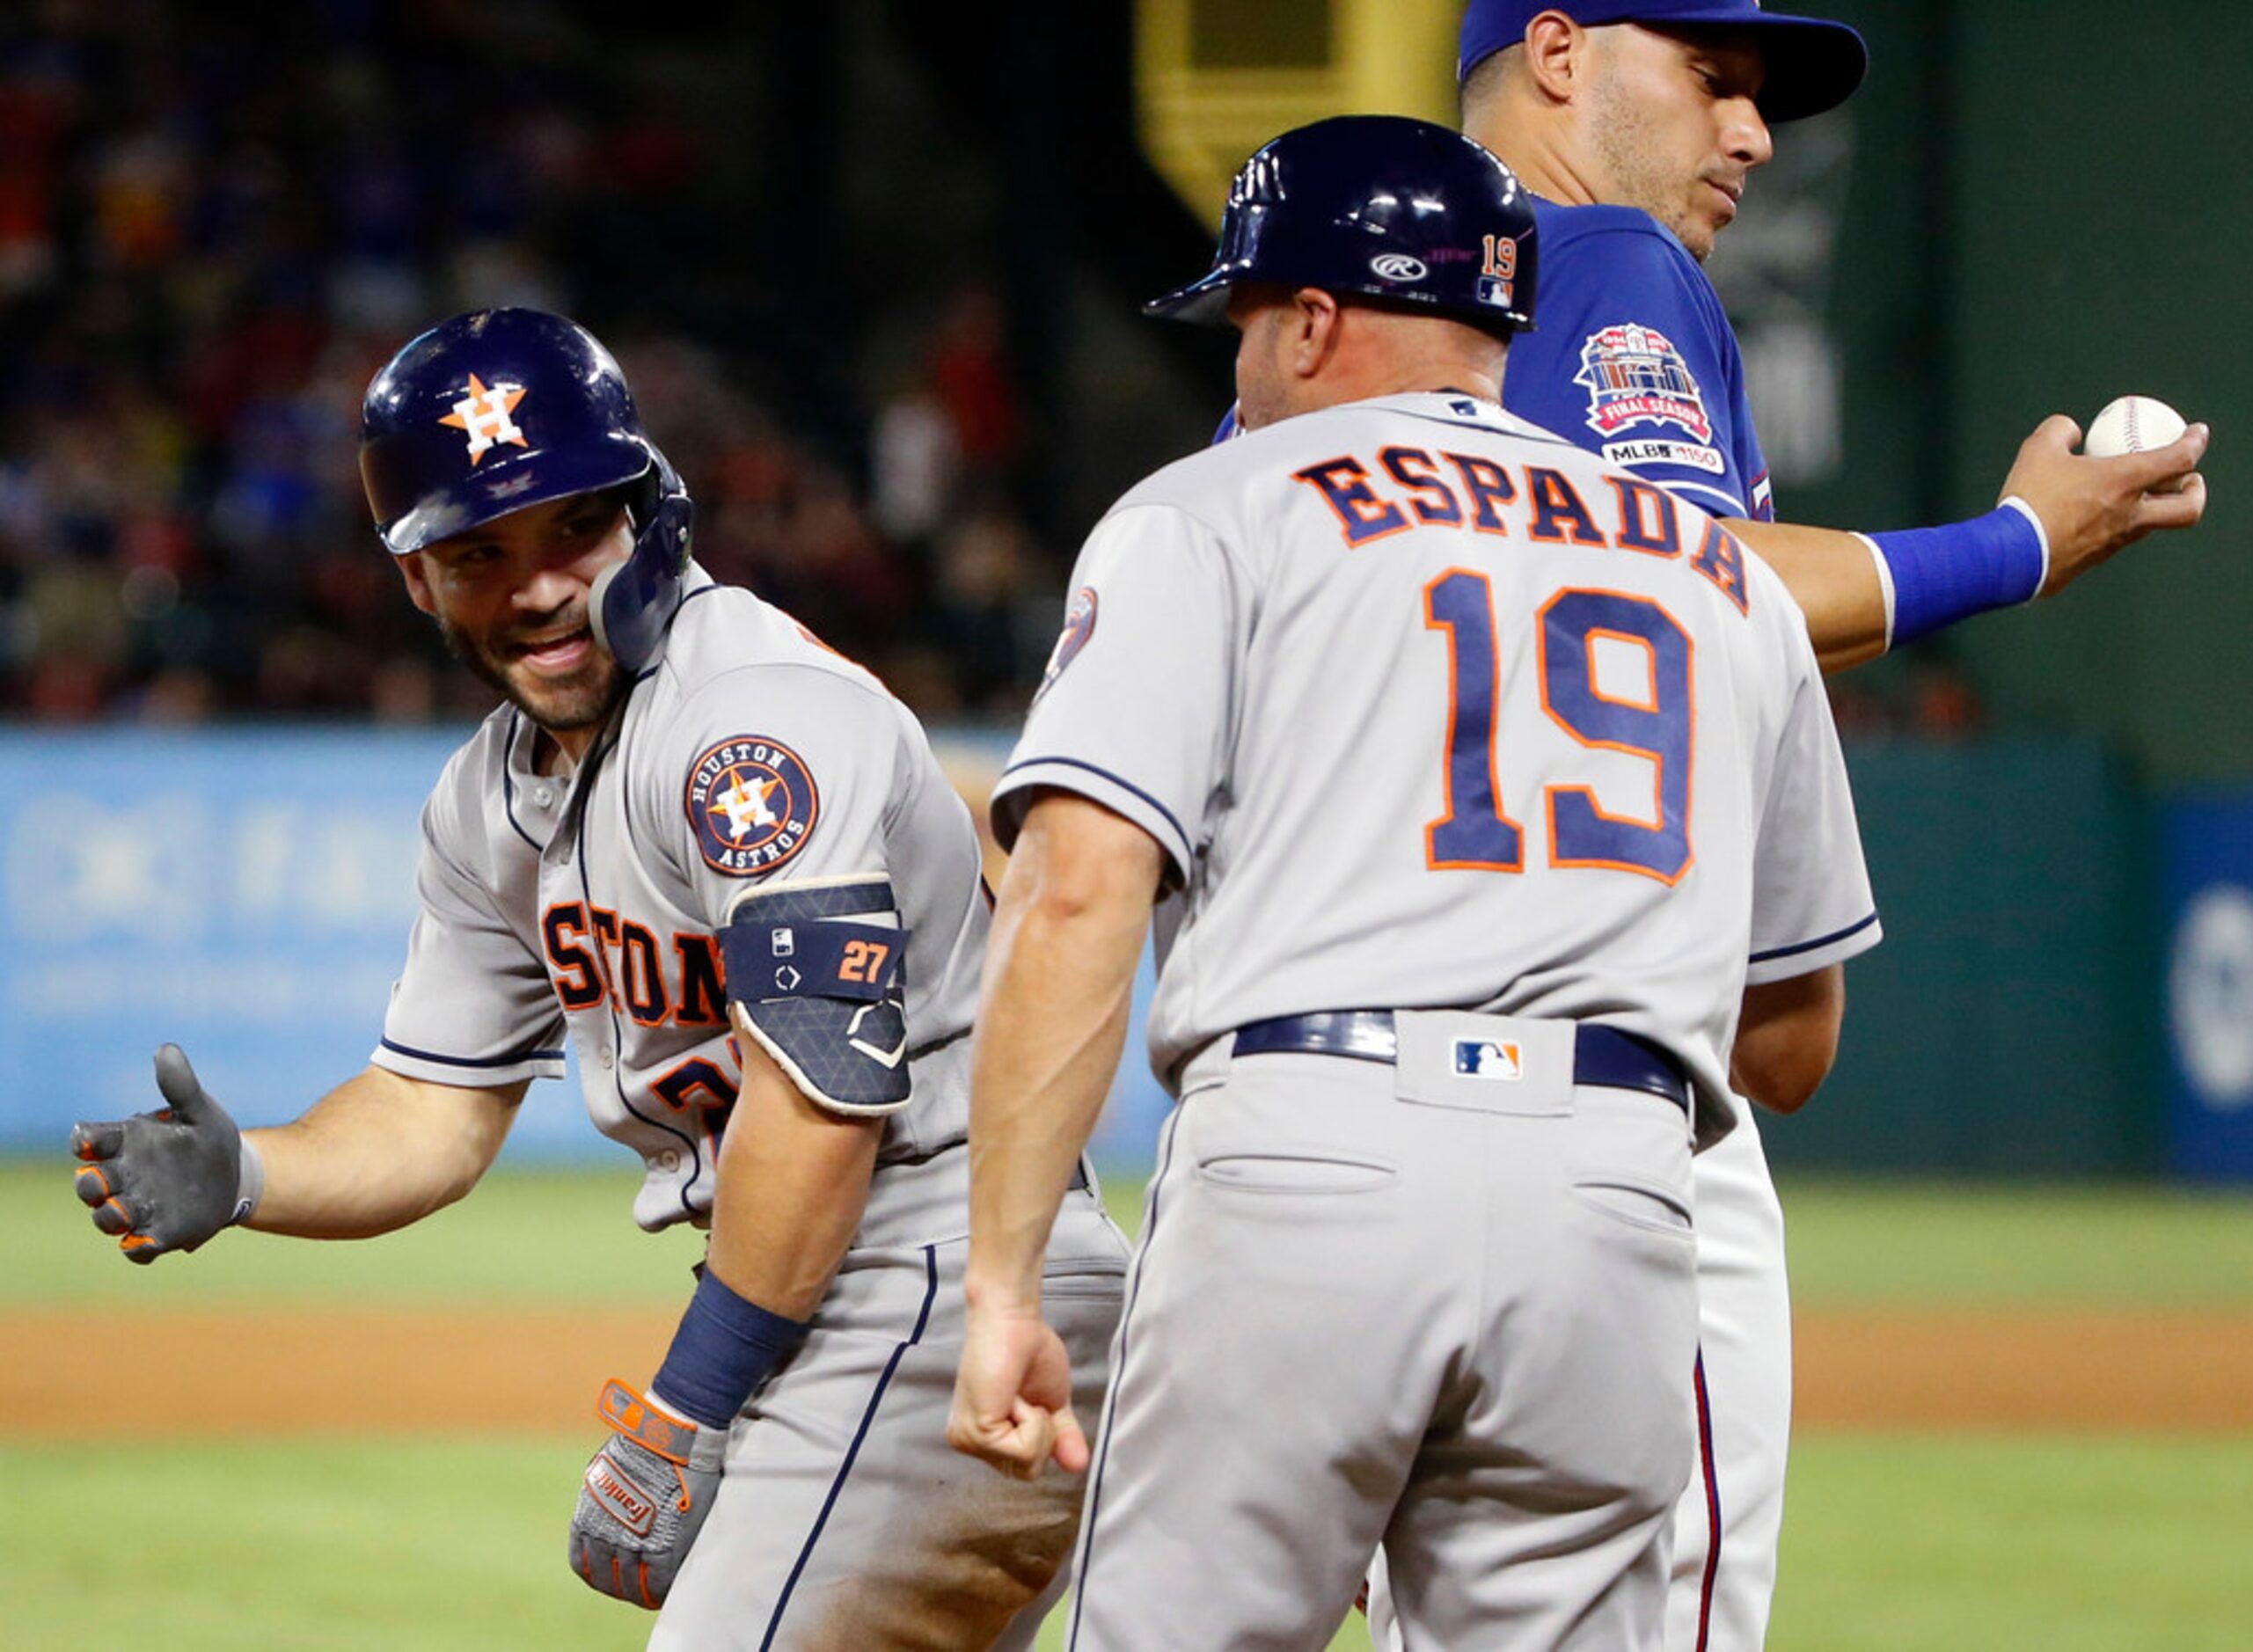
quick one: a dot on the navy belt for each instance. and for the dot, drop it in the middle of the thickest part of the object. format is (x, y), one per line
(1600, 1054)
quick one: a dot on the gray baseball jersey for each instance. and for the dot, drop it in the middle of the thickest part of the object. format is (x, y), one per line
(1429, 708)
(593, 900)
(1431, 713)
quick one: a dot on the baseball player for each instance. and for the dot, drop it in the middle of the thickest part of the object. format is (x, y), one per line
(1635, 126)
(1495, 824)
(687, 819)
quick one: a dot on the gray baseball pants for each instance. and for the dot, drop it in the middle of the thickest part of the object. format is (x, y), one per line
(1389, 1304)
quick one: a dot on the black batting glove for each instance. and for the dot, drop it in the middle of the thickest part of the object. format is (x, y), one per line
(170, 1180)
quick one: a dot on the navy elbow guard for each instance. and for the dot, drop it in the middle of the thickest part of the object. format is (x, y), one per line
(815, 973)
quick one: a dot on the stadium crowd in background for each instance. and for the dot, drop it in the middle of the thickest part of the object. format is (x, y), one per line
(211, 235)
(212, 232)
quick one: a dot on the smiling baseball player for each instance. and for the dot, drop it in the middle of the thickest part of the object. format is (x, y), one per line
(723, 859)
(1495, 821)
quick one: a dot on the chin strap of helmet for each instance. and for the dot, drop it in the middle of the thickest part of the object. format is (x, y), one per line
(633, 601)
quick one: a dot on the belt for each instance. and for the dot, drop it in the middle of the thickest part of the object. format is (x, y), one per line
(1600, 1054)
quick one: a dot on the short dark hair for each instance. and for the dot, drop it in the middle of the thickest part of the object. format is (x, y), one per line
(1484, 81)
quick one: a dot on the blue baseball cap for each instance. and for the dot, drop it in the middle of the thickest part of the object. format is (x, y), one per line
(1813, 63)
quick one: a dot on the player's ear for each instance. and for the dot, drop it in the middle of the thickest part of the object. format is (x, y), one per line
(1313, 331)
(418, 581)
(1556, 56)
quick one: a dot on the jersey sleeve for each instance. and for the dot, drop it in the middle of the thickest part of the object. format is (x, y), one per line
(1140, 695)
(1811, 904)
(1634, 360)
(473, 1006)
(783, 770)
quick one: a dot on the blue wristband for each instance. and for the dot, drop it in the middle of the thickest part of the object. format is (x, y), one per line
(1936, 576)
(723, 1351)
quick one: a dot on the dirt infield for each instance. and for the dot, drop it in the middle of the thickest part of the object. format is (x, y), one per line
(69, 1372)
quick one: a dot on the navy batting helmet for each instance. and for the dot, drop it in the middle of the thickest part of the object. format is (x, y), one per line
(1378, 205)
(502, 409)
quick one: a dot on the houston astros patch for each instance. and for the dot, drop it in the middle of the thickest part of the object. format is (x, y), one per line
(752, 804)
(1079, 626)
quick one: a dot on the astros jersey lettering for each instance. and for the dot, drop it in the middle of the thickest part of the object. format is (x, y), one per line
(1431, 709)
(593, 900)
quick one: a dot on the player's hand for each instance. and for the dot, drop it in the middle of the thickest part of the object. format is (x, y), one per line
(644, 1497)
(2090, 507)
(166, 1181)
(1013, 1396)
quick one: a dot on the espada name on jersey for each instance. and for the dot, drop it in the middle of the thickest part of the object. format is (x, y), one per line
(752, 804)
(1401, 488)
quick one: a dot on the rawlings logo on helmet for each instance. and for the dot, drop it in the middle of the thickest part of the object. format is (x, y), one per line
(1399, 267)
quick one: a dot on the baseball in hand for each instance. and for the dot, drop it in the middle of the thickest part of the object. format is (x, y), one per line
(2131, 424)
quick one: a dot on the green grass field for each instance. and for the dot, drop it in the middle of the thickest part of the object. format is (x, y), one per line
(1934, 1541)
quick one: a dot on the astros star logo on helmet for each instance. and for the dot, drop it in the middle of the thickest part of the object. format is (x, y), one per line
(484, 413)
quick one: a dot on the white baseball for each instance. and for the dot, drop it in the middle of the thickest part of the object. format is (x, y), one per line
(2131, 424)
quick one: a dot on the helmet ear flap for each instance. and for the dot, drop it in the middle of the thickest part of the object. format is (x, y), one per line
(633, 602)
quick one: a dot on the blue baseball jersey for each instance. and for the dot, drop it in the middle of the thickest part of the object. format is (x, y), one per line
(1632, 358)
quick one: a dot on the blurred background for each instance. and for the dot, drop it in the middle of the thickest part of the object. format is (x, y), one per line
(872, 266)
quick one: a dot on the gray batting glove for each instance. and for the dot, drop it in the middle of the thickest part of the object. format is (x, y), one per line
(167, 1180)
(644, 1498)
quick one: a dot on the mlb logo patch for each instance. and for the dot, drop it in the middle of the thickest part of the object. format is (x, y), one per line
(1490, 1058)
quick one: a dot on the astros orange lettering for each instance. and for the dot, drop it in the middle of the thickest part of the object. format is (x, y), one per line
(595, 956)
(1411, 486)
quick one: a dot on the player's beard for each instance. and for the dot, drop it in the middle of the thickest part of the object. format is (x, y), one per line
(1639, 172)
(581, 698)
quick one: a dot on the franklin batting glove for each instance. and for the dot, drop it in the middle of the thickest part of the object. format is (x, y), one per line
(645, 1496)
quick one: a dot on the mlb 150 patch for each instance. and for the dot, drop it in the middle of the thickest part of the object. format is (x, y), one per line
(752, 804)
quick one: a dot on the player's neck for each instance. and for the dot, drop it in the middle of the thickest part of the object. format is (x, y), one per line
(1402, 356)
(1542, 161)
(558, 751)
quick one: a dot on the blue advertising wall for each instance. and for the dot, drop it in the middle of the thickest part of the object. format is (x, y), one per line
(246, 893)
(2207, 856)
